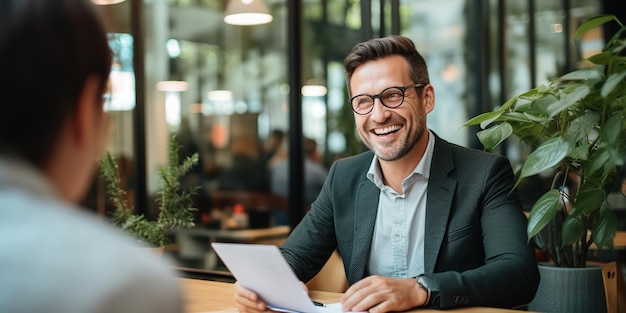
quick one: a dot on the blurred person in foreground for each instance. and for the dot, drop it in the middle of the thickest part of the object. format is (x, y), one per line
(54, 67)
(418, 221)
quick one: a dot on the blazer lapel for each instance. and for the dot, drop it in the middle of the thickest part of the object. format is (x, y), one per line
(365, 208)
(441, 190)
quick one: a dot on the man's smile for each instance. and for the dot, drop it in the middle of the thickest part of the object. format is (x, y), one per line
(386, 130)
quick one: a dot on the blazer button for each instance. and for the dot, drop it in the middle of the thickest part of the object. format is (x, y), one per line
(461, 299)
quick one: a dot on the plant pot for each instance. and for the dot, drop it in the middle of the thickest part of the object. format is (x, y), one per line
(571, 290)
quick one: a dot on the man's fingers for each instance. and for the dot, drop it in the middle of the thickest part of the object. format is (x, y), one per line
(378, 294)
(304, 286)
(358, 296)
(248, 301)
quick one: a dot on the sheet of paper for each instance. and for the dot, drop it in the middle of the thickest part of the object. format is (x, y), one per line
(328, 308)
(264, 270)
(332, 308)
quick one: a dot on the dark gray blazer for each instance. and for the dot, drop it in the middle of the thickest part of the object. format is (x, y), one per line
(475, 250)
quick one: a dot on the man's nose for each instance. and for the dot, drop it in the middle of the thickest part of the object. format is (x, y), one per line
(379, 111)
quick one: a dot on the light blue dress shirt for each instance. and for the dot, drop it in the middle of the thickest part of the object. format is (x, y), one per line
(58, 258)
(398, 241)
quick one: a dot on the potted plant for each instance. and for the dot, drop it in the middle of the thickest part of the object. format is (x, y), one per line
(574, 126)
(175, 203)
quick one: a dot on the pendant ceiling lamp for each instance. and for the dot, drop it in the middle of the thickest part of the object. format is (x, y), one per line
(106, 2)
(247, 12)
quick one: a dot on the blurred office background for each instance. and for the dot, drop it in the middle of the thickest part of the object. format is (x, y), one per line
(223, 89)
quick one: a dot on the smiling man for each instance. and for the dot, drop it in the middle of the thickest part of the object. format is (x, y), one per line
(418, 221)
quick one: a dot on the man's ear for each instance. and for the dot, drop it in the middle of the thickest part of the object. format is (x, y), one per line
(428, 98)
(86, 110)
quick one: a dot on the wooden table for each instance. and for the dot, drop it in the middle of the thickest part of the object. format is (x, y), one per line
(217, 297)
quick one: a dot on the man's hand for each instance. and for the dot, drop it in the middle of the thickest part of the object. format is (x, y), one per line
(248, 301)
(378, 294)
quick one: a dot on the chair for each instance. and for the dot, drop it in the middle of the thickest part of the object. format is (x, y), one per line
(332, 277)
(614, 287)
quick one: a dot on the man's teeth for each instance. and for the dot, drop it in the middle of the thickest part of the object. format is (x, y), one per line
(386, 130)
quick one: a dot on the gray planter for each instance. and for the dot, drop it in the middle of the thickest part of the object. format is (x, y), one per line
(571, 290)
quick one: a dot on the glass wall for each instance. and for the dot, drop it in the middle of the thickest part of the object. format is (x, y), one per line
(121, 108)
(439, 30)
(537, 44)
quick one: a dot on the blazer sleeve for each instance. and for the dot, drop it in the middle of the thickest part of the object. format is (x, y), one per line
(342, 217)
(313, 240)
(486, 260)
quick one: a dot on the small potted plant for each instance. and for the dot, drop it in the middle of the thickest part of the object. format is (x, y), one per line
(175, 201)
(574, 126)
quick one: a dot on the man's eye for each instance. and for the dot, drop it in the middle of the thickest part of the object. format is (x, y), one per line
(393, 94)
(363, 101)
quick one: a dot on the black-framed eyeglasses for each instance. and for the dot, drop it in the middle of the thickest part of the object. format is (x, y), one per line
(391, 97)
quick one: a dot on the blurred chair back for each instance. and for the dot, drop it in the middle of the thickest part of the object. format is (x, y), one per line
(332, 277)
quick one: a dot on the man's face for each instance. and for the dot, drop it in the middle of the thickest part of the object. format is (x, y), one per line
(391, 133)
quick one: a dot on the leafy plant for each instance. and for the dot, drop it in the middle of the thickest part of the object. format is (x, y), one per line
(175, 203)
(575, 127)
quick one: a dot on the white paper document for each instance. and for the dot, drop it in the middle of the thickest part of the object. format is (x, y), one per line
(264, 270)
(328, 308)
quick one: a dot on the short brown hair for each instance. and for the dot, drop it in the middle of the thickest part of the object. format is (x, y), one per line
(382, 47)
(48, 49)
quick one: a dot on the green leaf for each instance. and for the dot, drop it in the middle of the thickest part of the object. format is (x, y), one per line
(509, 103)
(546, 156)
(604, 231)
(542, 212)
(523, 104)
(620, 46)
(612, 82)
(493, 136)
(535, 118)
(585, 74)
(582, 126)
(598, 160)
(587, 201)
(541, 89)
(529, 133)
(603, 58)
(613, 128)
(515, 116)
(593, 23)
(567, 100)
(542, 104)
(573, 230)
(488, 116)
(580, 152)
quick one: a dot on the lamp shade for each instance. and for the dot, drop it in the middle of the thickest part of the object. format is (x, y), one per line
(247, 12)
